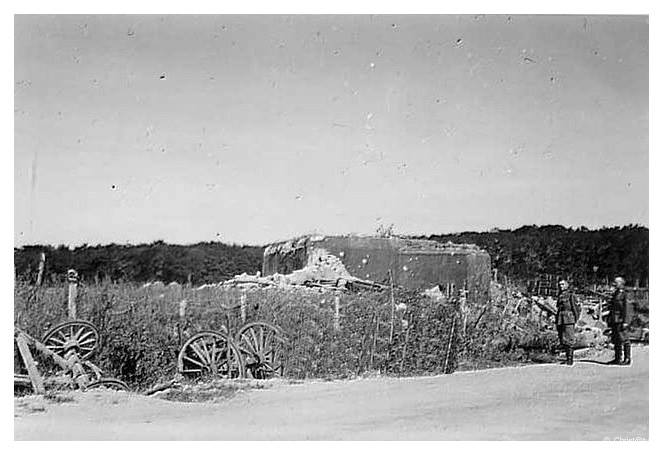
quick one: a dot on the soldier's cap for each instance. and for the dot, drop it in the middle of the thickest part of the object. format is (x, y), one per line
(620, 280)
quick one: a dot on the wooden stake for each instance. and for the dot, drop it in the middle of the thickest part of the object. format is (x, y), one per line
(506, 289)
(375, 335)
(337, 312)
(480, 316)
(72, 277)
(464, 313)
(42, 262)
(407, 336)
(242, 306)
(393, 307)
(30, 365)
(451, 337)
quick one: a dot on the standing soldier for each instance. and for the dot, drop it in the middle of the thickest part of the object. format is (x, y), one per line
(619, 317)
(566, 318)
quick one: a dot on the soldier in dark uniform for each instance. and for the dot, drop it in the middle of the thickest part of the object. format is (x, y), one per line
(619, 317)
(568, 313)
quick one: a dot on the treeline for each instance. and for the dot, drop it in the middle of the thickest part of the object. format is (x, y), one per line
(199, 263)
(583, 255)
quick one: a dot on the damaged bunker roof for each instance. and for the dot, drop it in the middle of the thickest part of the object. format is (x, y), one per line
(421, 245)
(403, 244)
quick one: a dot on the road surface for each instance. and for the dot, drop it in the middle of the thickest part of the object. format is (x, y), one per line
(541, 402)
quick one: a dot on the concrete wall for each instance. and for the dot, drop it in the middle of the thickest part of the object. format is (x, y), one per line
(284, 257)
(414, 264)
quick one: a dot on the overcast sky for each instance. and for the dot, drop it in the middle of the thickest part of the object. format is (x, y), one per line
(251, 129)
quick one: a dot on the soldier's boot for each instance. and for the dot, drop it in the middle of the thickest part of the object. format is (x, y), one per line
(569, 356)
(618, 356)
(627, 354)
(559, 350)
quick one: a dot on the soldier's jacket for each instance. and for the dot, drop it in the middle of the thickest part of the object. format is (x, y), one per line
(568, 311)
(620, 309)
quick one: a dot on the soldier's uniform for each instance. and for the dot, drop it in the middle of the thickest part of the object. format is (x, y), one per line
(566, 318)
(619, 316)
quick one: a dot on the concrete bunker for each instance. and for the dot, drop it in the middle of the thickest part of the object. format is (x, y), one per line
(413, 264)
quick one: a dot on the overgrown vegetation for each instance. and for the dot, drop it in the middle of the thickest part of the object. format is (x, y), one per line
(199, 263)
(142, 329)
(583, 255)
(506, 331)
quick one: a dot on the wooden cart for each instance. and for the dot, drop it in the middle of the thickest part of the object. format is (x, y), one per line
(69, 345)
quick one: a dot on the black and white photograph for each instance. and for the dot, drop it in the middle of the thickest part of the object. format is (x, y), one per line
(365, 227)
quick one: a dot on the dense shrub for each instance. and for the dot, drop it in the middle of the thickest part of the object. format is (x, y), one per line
(142, 330)
(583, 255)
(198, 263)
(508, 330)
(499, 339)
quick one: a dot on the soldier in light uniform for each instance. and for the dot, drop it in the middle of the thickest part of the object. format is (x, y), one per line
(566, 318)
(619, 317)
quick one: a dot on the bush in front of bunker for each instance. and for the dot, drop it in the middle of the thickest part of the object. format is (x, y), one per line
(142, 329)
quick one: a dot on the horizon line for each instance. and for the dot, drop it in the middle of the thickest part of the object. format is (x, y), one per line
(235, 244)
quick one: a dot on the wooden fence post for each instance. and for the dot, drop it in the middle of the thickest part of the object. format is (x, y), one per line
(182, 321)
(375, 336)
(42, 262)
(407, 336)
(451, 337)
(393, 307)
(464, 312)
(337, 312)
(72, 278)
(242, 306)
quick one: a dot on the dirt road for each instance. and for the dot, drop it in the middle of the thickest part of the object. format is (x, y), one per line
(586, 401)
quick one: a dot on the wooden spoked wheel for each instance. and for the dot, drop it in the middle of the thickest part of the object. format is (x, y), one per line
(81, 335)
(261, 345)
(210, 354)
